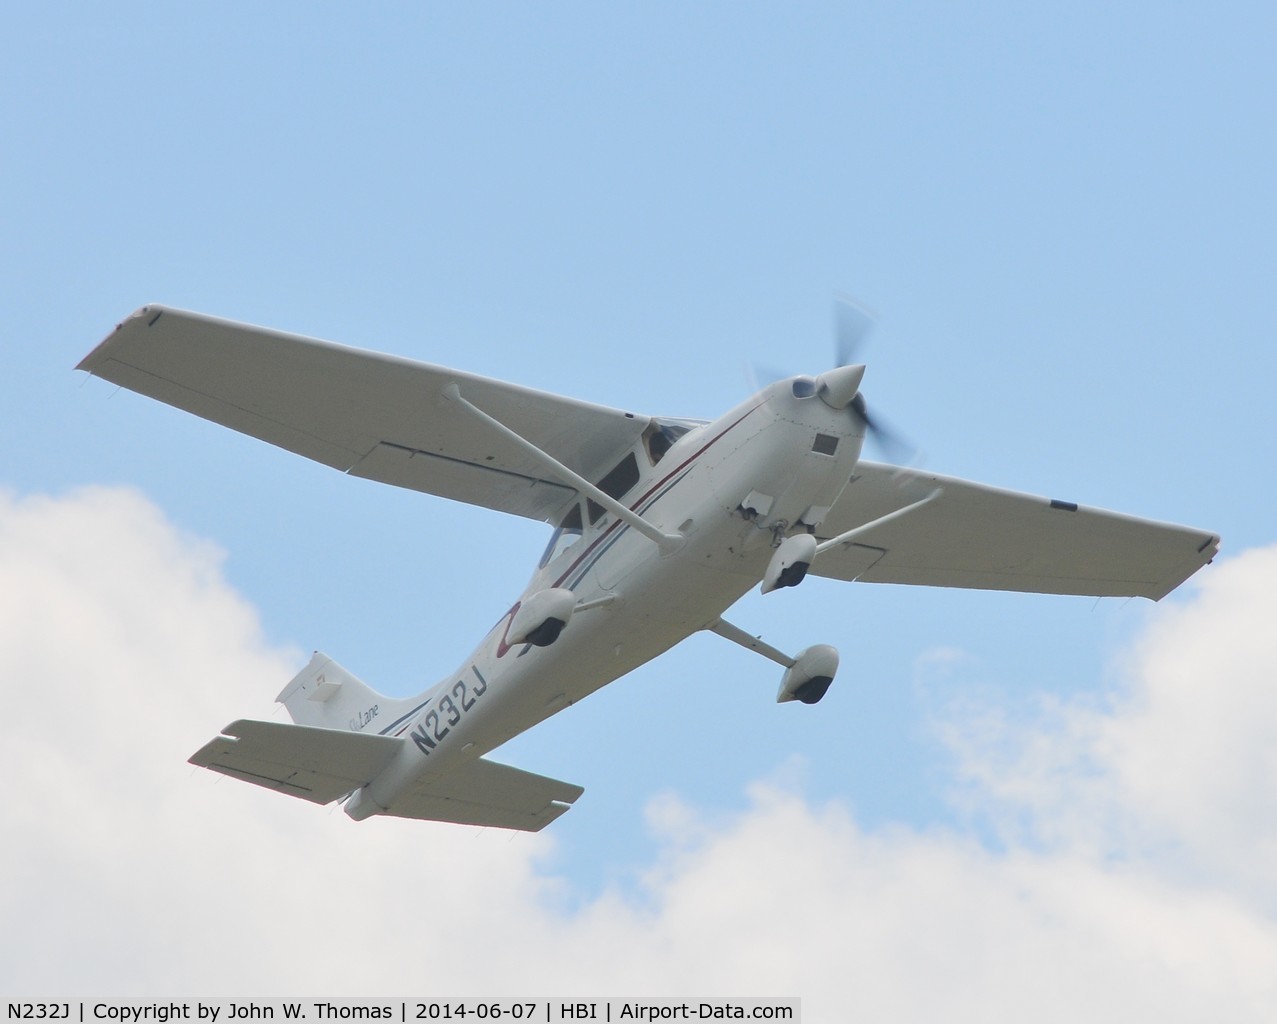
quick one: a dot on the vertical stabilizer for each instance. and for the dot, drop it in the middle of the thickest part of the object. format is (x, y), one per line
(325, 695)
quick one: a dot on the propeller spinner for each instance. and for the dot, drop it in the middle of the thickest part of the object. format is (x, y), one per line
(838, 388)
(853, 323)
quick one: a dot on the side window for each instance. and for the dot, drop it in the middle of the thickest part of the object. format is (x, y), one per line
(623, 476)
(567, 534)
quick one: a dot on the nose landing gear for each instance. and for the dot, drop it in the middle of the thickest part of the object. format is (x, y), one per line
(790, 562)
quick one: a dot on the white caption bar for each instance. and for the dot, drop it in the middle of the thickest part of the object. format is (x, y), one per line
(407, 1010)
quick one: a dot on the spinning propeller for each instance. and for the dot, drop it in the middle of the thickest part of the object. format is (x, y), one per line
(839, 388)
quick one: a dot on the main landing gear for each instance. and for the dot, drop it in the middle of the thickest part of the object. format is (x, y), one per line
(807, 675)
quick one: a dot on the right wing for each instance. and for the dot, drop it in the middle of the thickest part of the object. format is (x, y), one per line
(985, 538)
(375, 416)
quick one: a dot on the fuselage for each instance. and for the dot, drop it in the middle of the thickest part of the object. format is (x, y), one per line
(731, 490)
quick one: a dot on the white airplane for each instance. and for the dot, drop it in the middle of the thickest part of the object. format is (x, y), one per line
(660, 525)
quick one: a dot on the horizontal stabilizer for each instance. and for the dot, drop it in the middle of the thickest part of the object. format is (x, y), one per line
(483, 792)
(319, 765)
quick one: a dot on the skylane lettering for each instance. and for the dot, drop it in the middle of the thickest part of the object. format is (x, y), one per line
(364, 718)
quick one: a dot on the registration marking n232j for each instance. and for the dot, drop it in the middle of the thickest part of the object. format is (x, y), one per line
(449, 707)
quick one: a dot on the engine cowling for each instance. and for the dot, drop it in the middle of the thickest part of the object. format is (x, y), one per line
(808, 679)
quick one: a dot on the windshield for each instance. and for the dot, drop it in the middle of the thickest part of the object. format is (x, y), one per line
(567, 534)
(660, 436)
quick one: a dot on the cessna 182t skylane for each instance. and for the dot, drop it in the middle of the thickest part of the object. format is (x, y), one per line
(660, 526)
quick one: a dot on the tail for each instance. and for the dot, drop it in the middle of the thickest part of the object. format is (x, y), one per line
(325, 695)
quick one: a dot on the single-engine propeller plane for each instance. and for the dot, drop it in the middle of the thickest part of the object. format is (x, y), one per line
(660, 525)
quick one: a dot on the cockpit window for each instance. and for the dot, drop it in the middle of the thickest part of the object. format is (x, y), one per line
(567, 534)
(661, 435)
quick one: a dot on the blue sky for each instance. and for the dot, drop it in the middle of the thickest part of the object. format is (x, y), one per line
(1063, 215)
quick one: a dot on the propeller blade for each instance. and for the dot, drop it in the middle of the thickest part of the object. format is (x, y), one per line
(894, 445)
(853, 323)
(840, 387)
(760, 375)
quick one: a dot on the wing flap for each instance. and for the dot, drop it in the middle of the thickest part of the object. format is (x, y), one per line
(520, 494)
(483, 792)
(985, 538)
(363, 412)
(319, 765)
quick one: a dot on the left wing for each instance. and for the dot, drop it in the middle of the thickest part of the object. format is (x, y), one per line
(984, 538)
(371, 415)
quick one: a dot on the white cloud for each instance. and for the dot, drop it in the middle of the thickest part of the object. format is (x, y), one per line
(1136, 885)
(1177, 767)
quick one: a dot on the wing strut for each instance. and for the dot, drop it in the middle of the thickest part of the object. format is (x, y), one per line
(667, 542)
(852, 534)
(794, 555)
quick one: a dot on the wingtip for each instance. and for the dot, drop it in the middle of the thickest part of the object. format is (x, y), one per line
(1206, 553)
(148, 314)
